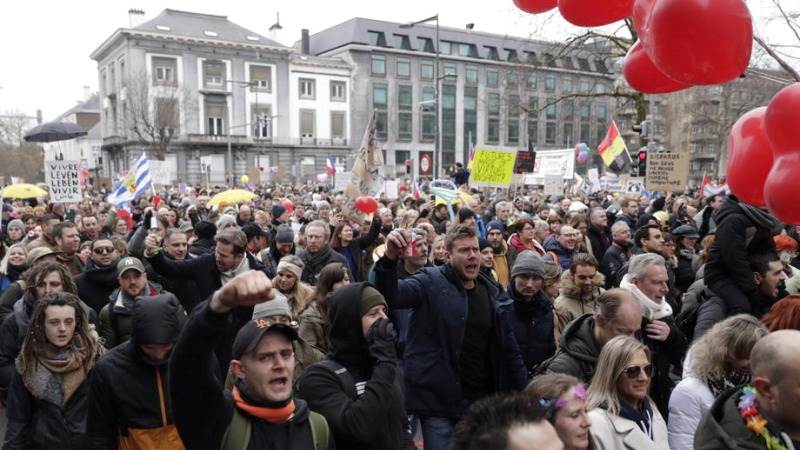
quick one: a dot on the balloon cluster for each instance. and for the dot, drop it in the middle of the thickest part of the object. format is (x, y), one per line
(367, 205)
(764, 155)
(582, 153)
(681, 42)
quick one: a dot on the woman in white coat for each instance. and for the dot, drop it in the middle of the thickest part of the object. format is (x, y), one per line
(720, 360)
(623, 416)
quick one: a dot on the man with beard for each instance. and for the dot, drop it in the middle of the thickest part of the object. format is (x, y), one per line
(280, 246)
(139, 409)
(176, 248)
(581, 286)
(599, 235)
(318, 252)
(99, 280)
(91, 228)
(618, 253)
(530, 313)
(504, 254)
(67, 242)
(48, 221)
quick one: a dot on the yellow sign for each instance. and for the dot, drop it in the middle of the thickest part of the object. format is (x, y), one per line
(493, 167)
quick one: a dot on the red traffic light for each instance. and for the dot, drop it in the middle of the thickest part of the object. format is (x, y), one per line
(642, 155)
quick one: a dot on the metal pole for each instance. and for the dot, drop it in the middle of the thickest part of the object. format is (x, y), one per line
(230, 157)
(437, 150)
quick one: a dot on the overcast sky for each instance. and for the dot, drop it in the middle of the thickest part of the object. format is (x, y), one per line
(45, 45)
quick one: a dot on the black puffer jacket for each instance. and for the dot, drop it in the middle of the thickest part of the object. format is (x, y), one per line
(116, 405)
(664, 356)
(532, 323)
(96, 283)
(375, 419)
(577, 355)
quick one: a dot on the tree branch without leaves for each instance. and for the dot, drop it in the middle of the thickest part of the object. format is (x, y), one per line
(784, 65)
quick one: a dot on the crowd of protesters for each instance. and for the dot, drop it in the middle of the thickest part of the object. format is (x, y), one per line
(512, 320)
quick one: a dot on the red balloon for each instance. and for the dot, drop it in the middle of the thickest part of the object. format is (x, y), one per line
(402, 187)
(536, 6)
(700, 41)
(641, 17)
(782, 187)
(643, 75)
(749, 157)
(367, 205)
(286, 203)
(782, 120)
(594, 13)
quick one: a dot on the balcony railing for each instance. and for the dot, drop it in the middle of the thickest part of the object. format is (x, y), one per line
(238, 139)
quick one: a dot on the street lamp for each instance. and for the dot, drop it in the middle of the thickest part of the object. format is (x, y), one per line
(231, 171)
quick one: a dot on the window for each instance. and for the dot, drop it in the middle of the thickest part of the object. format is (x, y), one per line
(426, 44)
(493, 114)
(449, 69)
(428, 114)
(550, 133)
(470, 118)
(566, 85)
(511, 55)
(471, 75)
(512, 80)
(216, 107)
(338, 91)
(584, 86)
(402, 41)
(550, 111)
(600, 88)
(307, 123)
(167, 113)
(377, 38)
(338, 125)
(404, 106)
(533, 107)
(585, 111)
(112, 72)
(533, 131)
(491, 78)
(568, 110)
(261, 78)
(213, 74)
(403, 67)
(549, 82)
(601, 111)
(308, 89)
(567, 138)
(122, 71)
(379, 104)
(426, 70)
(164, 71)
(448, 123)
(464, 50)
(530, 82)
(491, 53)
(583, 64)
(584, 137)
(444, 48)
(262, 121)
(378, 65)
(512, 131)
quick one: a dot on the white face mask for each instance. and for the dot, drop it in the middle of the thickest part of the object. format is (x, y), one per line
(786, 257)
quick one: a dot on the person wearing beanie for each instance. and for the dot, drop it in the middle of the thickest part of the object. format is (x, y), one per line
(531, 312)
(487, 261)
(358, 387)
(281, 243)
(504, 254)
(140, 409)
(15, 232)
(225, 221)
(280, 215)
(287, 281)
(205, 232)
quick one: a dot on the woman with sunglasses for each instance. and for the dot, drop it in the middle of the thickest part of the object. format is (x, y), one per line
(564, 400)
(622, 414)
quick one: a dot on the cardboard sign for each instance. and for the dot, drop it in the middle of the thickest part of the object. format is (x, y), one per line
(667, 172)
(63, 181)
(635, 186)
(553, 162)
(492, 167)
(553, 185)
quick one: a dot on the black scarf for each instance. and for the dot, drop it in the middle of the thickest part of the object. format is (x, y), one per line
(759, 217)
(316, 261)
(643, 418)
(13, 271)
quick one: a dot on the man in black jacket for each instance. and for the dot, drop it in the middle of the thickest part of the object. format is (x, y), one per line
(99, 279)
(261, 398)
(618, 253)
(598, 233)
(318, 252)
(359, 387)
(139, 407)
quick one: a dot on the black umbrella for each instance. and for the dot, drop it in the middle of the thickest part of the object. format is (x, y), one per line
(54, 131)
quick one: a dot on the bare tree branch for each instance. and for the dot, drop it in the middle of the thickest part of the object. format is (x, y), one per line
(784, 65)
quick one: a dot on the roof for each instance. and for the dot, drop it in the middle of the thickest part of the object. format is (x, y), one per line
(203, 26)
(90, 105)
(483, 45)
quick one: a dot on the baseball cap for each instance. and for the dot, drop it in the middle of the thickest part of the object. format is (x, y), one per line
(129, 263)
(251, 333)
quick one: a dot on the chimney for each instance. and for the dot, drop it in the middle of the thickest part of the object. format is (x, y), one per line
(135, 17)
(305, 42)
(87, 92)
(275, 31)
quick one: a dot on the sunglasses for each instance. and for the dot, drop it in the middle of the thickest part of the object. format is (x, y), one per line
(103, 250)
(633, 372)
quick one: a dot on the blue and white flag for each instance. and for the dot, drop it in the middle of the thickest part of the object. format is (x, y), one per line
(134, 184)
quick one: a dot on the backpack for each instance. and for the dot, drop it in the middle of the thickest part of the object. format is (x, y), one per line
(237, 436)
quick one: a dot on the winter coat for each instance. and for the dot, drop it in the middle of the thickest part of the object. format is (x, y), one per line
(314, 326)
(300, 296)
(202, 247)
(115, 319)
(316, 262)
(203, 411)
(613, 432)
(376, 417)
(684, 274)
(664, 355)
(359, 244)
(614, 259)
(627, 218)
(577, 353)
(738, 235)
(533, 324)
(722, 427)
(571, 304)
(600, 240)
(14, 292)
(439, 306)
(95, 284)
(562, 256)
(38, 424)
(690, 400)
(504, 262)
(516, 244)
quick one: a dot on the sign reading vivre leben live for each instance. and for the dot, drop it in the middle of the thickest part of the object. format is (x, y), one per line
(63, 181)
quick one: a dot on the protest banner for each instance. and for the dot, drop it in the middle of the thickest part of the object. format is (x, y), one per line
(635, 185)
(553, 184)
(594, 180)
(63, 181)
(492, 167)
(553, 162)
(667, 172)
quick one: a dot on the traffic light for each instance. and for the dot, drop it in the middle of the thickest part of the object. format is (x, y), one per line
(642, 163)
(408, 167)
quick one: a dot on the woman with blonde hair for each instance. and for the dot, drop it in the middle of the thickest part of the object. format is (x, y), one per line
(718, 361)
(439, 254)
(622, 414)
(288, 282)
(564, 400)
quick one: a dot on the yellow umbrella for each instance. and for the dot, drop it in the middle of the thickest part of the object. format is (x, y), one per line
(23, 191)
(231, 197)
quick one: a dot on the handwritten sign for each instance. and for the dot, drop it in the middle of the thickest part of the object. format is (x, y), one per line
(667, 172)
(553, 185)
(552, 162)
(63, 180)
(492, 167)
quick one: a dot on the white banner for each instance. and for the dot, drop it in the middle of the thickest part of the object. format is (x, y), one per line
(552, 162)
(64, 181)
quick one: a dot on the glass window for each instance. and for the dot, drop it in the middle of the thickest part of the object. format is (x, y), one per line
(379, 96)
(549, 82)
(567, 110)
(550, 133)
(403, 67)
(378, 65)
(338, 91)
(260, 78)
(471, 74)
(377, 38)
(533, 132)
(449, 69)
(404, 97)
(512, 79)
(428, 115)
(444, 48)
(463, 50)
(530, 81)
(307, 89)
(307, 123)
(584, 137)
(550, 112)
(585, 111)
(566, 85)
(601, 111)
(493, 104)
(426, 70)
(214, 74)
(338, 125)
(567, 137)
(493, 131)
(584, 86)
(533, 107)
(491, 78)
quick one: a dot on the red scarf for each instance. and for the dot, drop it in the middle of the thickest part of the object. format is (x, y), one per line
(271, 415)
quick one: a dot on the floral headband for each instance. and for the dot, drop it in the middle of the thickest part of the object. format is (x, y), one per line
(551, 406)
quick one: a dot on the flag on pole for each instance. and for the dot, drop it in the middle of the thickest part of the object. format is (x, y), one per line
(709, 189)
(367, 177)
(134, 184)
(415, 192)
(471, 151)
(612, 146)
(329, 167)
